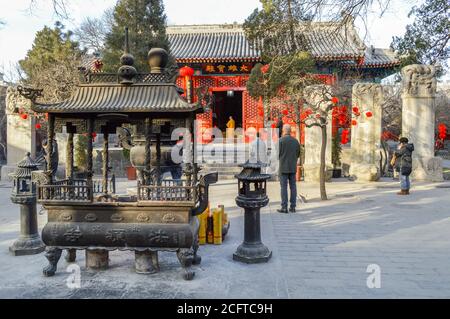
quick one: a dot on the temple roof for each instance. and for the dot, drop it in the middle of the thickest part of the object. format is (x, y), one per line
(226, 43)
(107, 97)
(328, 41)
(377, 58)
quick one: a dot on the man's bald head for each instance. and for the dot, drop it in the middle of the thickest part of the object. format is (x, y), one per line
(287, 129)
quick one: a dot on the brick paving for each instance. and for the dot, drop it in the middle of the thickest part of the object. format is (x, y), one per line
(322, 251)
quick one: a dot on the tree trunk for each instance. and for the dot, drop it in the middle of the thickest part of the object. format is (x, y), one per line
(322, 176)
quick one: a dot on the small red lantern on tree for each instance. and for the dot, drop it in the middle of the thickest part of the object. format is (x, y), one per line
(38, 126)
(369, 114)
(335, 100)
(265, 68)
(24, 116)
(442, 129)
(285, 112)
(344, 137)
(354, 122)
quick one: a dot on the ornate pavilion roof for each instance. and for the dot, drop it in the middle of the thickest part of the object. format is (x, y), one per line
(328, 41)
(110, 97)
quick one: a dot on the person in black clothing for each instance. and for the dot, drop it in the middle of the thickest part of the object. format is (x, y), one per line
(289, 154)
(402, 161)
(280, 126)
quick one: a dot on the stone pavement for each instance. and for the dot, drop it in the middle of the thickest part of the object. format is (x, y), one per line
(323, 251)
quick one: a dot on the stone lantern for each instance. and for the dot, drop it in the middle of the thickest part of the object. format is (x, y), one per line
(24, 194)
(252, 196)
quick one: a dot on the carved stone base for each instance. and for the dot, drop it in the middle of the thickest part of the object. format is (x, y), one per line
(146, 262)
(312, 172)
(427, 169)
(27, 246)
(97, 259)
(252, 254)
(364, 172)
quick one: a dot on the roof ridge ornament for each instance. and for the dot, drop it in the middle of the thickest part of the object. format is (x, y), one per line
(127, 71)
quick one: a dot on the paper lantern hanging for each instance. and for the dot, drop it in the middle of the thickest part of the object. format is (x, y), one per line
(285, 112)
(354, 122)
(369, 114)
(186, 71)
(24, 116)
(38, 126)
(335, 100)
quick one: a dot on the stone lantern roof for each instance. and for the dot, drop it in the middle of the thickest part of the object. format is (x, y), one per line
(252, 172)
(25, 167)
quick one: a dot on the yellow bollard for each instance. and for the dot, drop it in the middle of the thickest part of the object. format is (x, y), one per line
(217, 219)
(203, 218)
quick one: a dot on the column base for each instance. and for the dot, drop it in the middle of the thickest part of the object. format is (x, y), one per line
(428, 169)
(146, 262)
(312, 173)
(364, 172)
(97, 259)
(252, 254)
(25, 246)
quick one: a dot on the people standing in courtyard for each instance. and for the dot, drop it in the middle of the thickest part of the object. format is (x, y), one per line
(402, 161)
(280, 126)
(258, 150)
(231, 125)
(289, 152)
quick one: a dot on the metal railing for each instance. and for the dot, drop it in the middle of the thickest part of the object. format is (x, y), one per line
(74, 189)
(168, 190)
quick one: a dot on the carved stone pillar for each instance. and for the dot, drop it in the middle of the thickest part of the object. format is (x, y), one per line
(148, 131)
(366, 135)
(314, 96)
(418, 120)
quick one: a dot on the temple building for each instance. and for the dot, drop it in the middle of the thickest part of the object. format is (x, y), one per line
(223, 59)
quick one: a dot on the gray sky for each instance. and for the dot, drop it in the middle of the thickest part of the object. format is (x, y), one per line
(16, 37)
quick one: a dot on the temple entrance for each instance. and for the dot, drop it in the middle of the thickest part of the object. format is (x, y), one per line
(227, 103)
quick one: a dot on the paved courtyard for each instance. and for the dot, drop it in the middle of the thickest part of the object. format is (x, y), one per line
(322, 251)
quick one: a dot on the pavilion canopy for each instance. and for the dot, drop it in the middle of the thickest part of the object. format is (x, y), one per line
(107, 98)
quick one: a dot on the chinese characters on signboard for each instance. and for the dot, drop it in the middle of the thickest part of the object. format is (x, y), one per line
(238, 68)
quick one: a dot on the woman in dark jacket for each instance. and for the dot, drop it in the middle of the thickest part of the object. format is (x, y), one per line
(403, 164)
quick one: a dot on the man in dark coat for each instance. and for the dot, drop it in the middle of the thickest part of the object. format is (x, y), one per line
(288, 154)
(403, 164)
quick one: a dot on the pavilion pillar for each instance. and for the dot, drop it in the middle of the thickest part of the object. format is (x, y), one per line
(366, 134)
(188, 151)
(50, 145)
(148, 157)
(158, 158)
(90, 172)
(69, 156)
(418, 120)
(105, 161)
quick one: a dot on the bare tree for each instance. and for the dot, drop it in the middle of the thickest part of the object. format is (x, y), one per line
(59, 7)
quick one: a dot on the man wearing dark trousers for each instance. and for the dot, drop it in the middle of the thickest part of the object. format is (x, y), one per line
(288, 156)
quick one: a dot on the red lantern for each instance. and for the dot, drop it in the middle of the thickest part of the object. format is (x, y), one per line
(285, 112)
(355, 109)
(442, 128)
(24, 116)
(261, 113)
(354, 122)
(94, 135)
(273, 125)
(38, 126)
(369, 114)
(344, 137)
(335, 100)
(318, 116)
(265, 68)
(186, 71)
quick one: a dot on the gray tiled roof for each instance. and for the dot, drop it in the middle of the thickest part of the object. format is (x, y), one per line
(209, 43)
(103, 98)
(376, 58)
